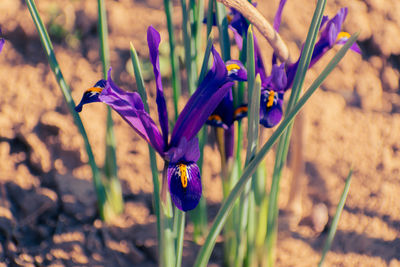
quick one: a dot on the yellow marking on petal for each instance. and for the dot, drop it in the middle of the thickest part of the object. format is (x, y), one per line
(95, 90)
(229, 18)
(343, 35)
(184, 177)
(214, 117)
(240, 110)
(270, 99)
(232, 66)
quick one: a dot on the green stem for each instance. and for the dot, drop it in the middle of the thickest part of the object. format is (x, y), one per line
(223, 31)
(283, 144)
(336, 218)
(168, 245)
(48, 49)
(205, 251)
(210, 16)
(113, 187)
(152, 153)
(180, 220)
(199, 214)
(176, 80)
(188, 47)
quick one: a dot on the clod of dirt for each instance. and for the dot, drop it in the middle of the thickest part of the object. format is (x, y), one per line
(40, 156)
(77, 197)
(34, 202)
(358, 21)
(40, 201)
(319, 217)
(390, 79)
(369, 88)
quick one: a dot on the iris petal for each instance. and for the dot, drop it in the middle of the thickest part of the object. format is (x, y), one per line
(278, 15)
(186, 150)
(270, 115)
(127, 104)
(223, 114)
(236, 70)
(184, 183)
(1, 42)
(203, 102)
(91, 95)
(153, 40)
(130, 106)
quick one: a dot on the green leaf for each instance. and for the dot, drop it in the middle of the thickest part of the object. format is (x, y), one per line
(49, 51)
(336, 218)
(205, 251)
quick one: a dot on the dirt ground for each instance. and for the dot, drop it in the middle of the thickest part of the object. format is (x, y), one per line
(48, 215)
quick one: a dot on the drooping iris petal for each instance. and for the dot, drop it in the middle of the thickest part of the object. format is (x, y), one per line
(278, 79)
(343, 37)
(240, 112)
(223, 114)
(184, 183)
(323, 21)
(236, 70)
(153, 41)
(91, 95)
(270, 108)
(238, 38)
(130, 106)
(1, 42)
(187, 151)
(203, 102)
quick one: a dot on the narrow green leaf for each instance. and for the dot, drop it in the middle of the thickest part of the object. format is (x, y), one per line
(180, 227)
(152, 154)
(205, 251)
(283, 144)
(188, 47)
(103, 35)
(48, 48)
(199, 214)
(139, 77)
(113, 186)
(210, 16)
(335, 221)
(206, 60)
(306, 55)
(222, 23)
(176, 80)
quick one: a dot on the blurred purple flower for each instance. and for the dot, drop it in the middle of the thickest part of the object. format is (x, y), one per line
(281, 78)
(1, 42)
(182, 150)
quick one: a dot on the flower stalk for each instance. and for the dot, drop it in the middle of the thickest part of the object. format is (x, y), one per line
(49, 51)
(112, 183)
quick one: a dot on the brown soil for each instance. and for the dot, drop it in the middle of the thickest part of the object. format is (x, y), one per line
(47, 213)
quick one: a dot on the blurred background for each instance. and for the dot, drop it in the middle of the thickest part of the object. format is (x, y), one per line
(48, 213)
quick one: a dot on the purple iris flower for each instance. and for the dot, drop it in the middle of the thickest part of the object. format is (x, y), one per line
(182, 151)
(281, 78)
(330, 35)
